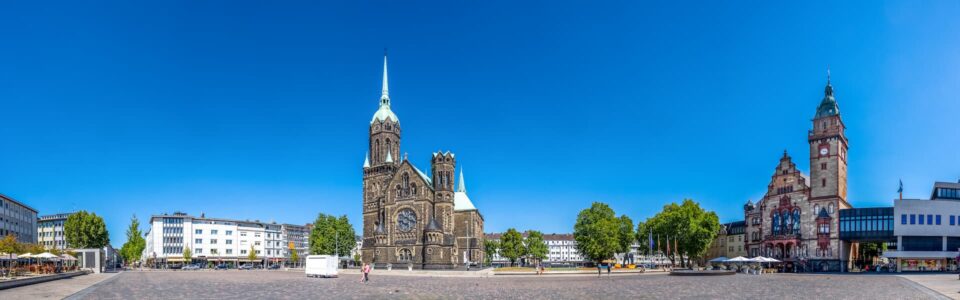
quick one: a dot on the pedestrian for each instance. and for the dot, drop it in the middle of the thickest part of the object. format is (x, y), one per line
(366, 273)
(608, 269)
(598, 271)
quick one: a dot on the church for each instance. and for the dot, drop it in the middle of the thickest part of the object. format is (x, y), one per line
(410, 218)
(797, 220)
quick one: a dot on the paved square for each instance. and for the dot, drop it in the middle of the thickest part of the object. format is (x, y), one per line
(294, 285)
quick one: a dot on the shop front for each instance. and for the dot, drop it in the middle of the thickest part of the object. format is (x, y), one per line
(923, 261)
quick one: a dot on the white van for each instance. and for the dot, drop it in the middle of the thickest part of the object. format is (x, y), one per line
(321, 266)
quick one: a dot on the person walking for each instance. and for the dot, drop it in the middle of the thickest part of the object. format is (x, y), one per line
(609, 266)
(366, 272)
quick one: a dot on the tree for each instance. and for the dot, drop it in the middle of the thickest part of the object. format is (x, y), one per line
(643, 238)
(597, 232)
(490, 248)
(511, 245)
(187, 255)
(84, 230)
(627, 236)
(9, 245)
(687, 226)
(332, 235)
(536, 248)
(252, 256)
(294, 256)
(133, 248)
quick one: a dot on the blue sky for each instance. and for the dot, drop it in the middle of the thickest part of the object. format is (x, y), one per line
(254, 110)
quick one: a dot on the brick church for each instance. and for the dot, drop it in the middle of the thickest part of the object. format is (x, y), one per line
(411, 218)
(797, 220)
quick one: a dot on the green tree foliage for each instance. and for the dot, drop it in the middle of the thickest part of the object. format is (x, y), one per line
(252, 255)
(642, 238)
(9, 246)
(85, 230)
(294, 256)
(332, 235)
(187, 255)
(511, 245)
(688, 226)
(627, 235)
(490, 248)
(536, 247)
(597, 232)
(133, 248)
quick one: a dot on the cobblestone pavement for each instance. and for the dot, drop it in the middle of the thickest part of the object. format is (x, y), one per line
(57, 289)
(292, 285)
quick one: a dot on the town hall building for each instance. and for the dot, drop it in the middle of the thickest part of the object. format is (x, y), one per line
(797, 220)
(410, 218)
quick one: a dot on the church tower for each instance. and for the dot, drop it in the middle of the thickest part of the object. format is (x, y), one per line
(379, 166)
(442, 167)
(828, 150)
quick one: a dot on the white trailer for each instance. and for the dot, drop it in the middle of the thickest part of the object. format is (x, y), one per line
(321, 266)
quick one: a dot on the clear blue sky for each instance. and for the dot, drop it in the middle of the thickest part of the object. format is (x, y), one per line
(260, 110)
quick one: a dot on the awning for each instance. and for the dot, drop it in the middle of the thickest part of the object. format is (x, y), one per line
(920, 254)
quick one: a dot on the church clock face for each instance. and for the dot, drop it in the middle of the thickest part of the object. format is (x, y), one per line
(823, 151)
(406, 220)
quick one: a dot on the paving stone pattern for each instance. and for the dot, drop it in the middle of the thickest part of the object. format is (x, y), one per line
(291, 285)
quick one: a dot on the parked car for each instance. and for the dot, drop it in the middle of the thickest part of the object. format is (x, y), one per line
(191, 267)
(274, 267)
(222, 267)
(246, 267)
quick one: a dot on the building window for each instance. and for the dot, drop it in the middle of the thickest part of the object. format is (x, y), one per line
(913, 219)
(952, 220)
(229, 251)
(823, 166)
(938, 219)
(903, 219)
(929, 219)
(198, 231)
(213, 241)
(921, 220)
(213, 231)
(198, 241)
(823, 182)
(229, 242)
(229, 232)
(199, 251)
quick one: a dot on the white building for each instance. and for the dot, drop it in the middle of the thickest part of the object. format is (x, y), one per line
(561, 250)
(50, 231)
(218, 240)
(18, 219)
(928, 231)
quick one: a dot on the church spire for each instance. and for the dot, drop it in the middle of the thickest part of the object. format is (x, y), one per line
(461, 187)
(385, 95)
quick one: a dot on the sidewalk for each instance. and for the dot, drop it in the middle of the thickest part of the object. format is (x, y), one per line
(57, 289)
(946, 284)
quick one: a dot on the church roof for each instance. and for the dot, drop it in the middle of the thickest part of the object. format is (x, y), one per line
(424, 176)
(828, 106)
(460, 199)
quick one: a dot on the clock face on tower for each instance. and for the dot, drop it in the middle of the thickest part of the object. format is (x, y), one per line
(406, 220)
(824, 151)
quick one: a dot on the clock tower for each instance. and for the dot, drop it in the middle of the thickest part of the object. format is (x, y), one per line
(828, 151)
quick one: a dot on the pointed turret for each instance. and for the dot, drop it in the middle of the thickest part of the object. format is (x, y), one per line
(461, 187)
(389, 157)
(366, 160)
(384, 112)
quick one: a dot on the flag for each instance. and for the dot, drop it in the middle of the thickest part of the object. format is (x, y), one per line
(668, 245)
(658, 243)
(900, 190)
(675, 248)
(650, 240)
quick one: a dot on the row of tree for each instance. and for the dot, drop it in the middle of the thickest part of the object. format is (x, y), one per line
(600, 234)
(513, 246)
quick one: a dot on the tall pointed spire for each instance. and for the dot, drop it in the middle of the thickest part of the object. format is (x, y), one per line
(389, 157)
(461, 187)
(366, 160)
(385, 95)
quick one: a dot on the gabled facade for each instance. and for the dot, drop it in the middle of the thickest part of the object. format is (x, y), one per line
(797, 220)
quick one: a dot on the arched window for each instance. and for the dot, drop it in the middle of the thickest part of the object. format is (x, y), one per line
(830, 209)
(796, 221)
(376, 151)
(413, 188)
(816, 208)
(776, 223)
